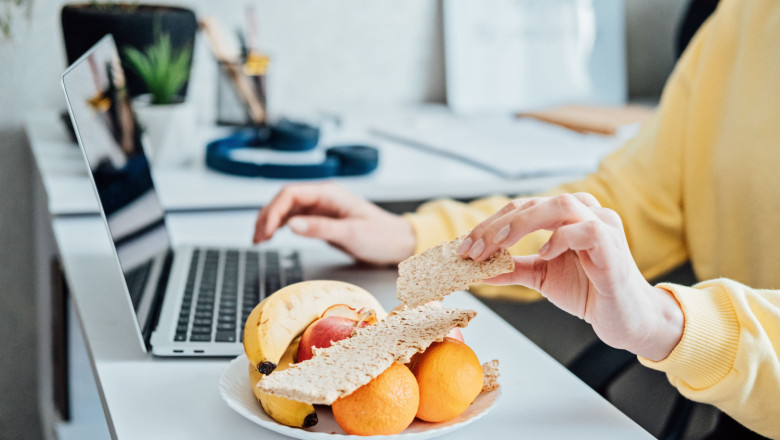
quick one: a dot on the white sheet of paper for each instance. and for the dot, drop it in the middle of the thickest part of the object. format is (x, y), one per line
(507, 146)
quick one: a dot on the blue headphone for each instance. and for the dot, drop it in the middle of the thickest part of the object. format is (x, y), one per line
(343, 160)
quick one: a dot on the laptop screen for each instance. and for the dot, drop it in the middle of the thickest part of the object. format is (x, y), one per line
(112, 141)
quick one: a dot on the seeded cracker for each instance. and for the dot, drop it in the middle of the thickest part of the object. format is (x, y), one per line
(490, 376)
(440, 270)
(350, 363)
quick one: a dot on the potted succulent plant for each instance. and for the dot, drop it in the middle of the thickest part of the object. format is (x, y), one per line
(131, 24)
(163, 70)
(164, 115)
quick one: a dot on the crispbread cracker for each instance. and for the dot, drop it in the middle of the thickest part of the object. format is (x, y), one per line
(440, 270)
(350, 363)
(490, 376)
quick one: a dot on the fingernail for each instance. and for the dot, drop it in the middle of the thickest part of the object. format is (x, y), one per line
(502, 234)
(544, 249)
(464, 246)
(477, 249)
(299, 226)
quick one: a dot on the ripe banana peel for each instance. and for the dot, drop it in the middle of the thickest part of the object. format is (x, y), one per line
(284, 315)
(285, 411)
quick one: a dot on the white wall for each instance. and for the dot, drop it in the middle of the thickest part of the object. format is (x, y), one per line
(378, 51)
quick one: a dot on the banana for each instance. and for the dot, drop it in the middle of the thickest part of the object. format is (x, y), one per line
(285, 411)
(284, 315)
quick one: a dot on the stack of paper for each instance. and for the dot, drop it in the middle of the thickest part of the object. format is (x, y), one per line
(509, 147)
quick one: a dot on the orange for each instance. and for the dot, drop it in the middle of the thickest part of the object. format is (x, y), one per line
(384, 406)
(450, 378)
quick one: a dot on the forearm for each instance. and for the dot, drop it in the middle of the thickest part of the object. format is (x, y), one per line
(729, 352)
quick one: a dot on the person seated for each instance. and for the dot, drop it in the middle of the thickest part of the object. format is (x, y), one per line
(699, 183)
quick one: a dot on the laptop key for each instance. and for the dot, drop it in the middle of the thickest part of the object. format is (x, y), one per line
(226, 326)
(226, 336)
(272, 285)
(227, 304)
(180, 337)
(202, 321)
(292, 275)
(200, 338)
(201, 330)
(227, 317)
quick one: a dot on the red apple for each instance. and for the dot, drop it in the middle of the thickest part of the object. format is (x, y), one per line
(456, 334)
(335, 323)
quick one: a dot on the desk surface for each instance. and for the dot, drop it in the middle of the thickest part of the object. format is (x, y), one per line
(404, 174)
(147, 397)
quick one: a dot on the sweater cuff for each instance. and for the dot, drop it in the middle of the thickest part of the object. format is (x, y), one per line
(708, 347)
(428, 230)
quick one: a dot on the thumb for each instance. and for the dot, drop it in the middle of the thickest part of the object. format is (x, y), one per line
(523, 274)
(324, 228)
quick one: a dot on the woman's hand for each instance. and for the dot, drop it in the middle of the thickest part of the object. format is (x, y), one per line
(585, 268)
(331, 213)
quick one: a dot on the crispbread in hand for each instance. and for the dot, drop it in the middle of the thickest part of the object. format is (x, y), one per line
(440, 270)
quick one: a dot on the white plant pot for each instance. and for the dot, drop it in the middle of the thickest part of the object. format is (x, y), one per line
(168, 131)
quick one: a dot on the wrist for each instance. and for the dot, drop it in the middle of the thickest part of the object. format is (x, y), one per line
(399, 241)
(665, 328)
(406, 240)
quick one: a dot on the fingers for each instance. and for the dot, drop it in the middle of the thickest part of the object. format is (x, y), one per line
(482, 226)
(289, 200)
(539, 213)
(588, 236)
(335, 231)
(601, 237)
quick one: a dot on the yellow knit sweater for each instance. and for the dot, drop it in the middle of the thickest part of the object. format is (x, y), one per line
(700, 182)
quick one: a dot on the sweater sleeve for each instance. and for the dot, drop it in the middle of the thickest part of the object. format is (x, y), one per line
(729, 353)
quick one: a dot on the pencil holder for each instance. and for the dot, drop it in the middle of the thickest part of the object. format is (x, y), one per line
(241, 92)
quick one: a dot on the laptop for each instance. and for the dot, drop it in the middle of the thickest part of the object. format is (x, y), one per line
(188, 301)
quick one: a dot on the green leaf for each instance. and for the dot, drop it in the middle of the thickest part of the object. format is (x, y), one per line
(163, 69)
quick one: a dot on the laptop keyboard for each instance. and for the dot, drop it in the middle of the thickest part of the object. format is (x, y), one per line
(223, 287)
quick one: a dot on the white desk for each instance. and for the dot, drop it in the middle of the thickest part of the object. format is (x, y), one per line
(404, 174)
(146, 397)
(133, 395)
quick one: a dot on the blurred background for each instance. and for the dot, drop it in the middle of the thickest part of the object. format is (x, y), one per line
(379, 52)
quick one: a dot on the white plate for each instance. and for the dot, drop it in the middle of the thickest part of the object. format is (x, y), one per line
(235, 390)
